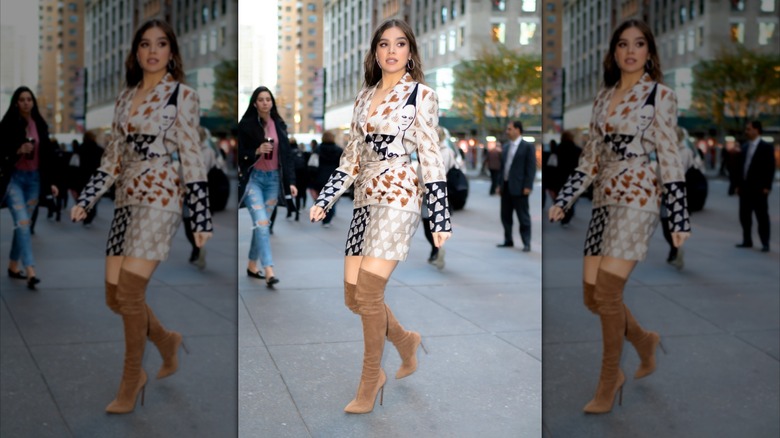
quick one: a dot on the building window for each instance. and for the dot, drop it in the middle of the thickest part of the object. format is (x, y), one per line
(453, 10)
(737, 31)
(205, 15)
(499, 5)
(737, 5)
(312, 18)
(700, 36)
(204, 44)
(529, 5)
(691, 40)
(442, 44)
(766, 30)
(311, 7)
(214, 10)
(527, 31)
(462, 7)
(681, 44)
(498, 32)
(452, 42)
(767, 5)
(701, 7)
(461, 36)
(213, 45)
(683, 14)
(444, 14)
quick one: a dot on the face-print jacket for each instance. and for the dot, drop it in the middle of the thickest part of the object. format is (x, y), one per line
(377, 158)
(616, 158)
(139, 158)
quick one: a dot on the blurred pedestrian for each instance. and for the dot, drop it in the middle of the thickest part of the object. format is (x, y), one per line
(634, 115)
(26, 171)
(518, 170)
(395, 115)
(90, 154)
(265, 170)
(300, 162)
(155, 116)
(753, 182)
(568, 157)
(328, 156)
(493, 164)
(549, 171)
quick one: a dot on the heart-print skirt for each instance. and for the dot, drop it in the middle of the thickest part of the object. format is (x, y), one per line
(142, 232)
(620, 232)
(382, 232)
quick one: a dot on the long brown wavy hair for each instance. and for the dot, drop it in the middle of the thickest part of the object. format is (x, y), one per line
(611, 69)
(133, 71)
(373, 73)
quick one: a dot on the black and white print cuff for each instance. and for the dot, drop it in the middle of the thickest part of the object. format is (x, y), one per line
(95, 186)
(332, 188)
(572, 186)
(676, 204)
(438, 207)
(197, 198)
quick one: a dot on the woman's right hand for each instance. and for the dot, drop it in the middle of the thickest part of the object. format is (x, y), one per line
(316, 213)
(264, 148)
(556, 213)
(25, 148)
(77, 213)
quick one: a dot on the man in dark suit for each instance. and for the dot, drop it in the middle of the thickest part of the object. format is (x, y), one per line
(518, 168)
(753, 184)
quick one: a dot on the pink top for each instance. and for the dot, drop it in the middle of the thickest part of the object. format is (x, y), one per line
(26, 163)
(269, 164)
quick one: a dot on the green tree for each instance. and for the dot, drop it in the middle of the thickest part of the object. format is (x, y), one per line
(226, 90)
(497, 87)
(736, 86)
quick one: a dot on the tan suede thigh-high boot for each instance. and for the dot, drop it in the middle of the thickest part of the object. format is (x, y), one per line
(406, 342)
(609, 298)
(588, 292)
(111, 301)
(370, 292)
(645, 342)
(131, 291)
(349, 298)
(167, 343)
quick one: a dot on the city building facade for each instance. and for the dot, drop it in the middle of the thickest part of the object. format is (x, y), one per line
(60, 91)
(447, 32)
(206, 31)
(686, 32)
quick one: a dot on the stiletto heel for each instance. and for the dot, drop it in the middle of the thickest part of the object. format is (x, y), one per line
(620, 397)
(381, 395)
(662, 347)
(423, 347)
(143, 394)
(184, 347)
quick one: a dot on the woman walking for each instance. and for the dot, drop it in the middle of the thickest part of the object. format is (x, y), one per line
(395, 114)
(28, 165)
(265, 169)
(156, 115)
(634, 115)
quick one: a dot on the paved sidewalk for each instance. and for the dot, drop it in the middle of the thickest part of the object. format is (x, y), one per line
(301, 349)
(719, 319)
(61, 348)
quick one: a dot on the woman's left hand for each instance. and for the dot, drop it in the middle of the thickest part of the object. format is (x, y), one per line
(679, 238)
(440, 237)
(293, 191)
(201, 238)
(55, 191)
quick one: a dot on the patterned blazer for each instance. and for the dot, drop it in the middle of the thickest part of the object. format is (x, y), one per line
(377, 158)
(617, 157)
(139, 158)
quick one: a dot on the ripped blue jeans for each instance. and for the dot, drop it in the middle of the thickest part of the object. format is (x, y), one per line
(262, 192)
(22, 197)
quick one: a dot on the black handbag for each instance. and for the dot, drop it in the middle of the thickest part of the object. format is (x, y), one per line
(457, 188)
(219, 189)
